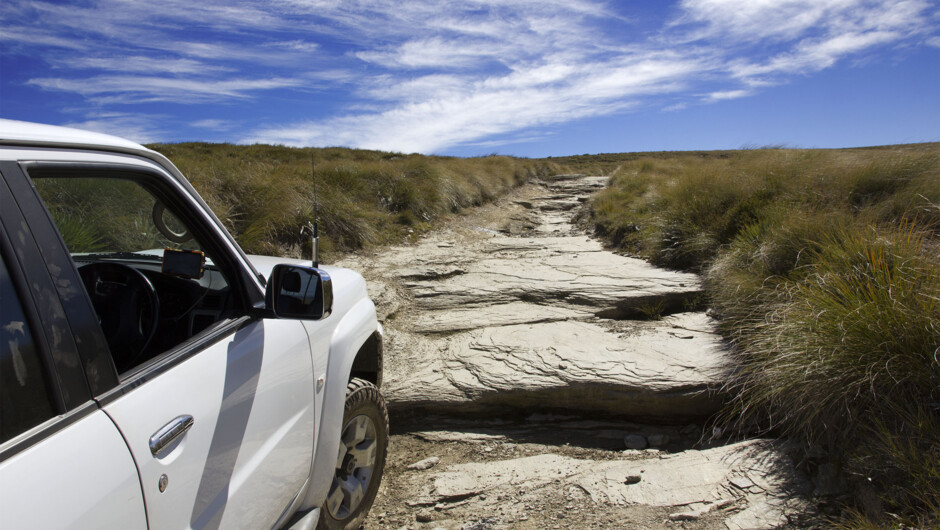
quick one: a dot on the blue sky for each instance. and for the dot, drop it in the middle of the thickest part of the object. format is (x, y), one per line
(521, 77)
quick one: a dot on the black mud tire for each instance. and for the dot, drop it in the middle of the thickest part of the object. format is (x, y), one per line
(363, 399)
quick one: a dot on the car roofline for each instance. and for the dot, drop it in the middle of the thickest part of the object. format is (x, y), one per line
(14, 133)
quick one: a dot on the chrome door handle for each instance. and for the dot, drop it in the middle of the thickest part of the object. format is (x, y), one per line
(169, 433)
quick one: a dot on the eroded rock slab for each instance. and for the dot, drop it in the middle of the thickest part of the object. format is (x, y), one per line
(481, 321)
(512, 313)
(665, 369)
(593, 278)
(693, 483)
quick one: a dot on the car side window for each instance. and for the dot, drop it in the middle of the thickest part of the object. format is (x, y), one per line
(24, 390)
(146, 274)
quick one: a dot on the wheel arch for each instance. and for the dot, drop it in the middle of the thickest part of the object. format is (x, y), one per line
(368, 362)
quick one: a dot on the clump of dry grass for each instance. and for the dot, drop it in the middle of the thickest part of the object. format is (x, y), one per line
(264, 193)
(824, 269)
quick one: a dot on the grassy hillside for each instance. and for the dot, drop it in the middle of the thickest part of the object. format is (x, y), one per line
(607, 163)
(264, 193)
(823, 267)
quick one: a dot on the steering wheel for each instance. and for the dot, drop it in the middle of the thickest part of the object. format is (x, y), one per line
(127, 307)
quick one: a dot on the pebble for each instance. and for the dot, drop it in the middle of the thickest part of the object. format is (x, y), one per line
(632, 479)
(424, 517)
(658, 440)
(427, 463)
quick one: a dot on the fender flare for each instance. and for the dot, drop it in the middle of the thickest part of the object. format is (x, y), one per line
(356, 327)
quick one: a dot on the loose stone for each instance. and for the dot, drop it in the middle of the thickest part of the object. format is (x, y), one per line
(422, 465)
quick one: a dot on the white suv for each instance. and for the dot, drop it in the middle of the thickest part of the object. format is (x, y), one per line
(154, 376)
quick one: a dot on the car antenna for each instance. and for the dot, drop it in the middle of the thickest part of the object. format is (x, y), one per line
(313, 228)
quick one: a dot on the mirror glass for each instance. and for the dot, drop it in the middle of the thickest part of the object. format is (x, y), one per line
(300, 292)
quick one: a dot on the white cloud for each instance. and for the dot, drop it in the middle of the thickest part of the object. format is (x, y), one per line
(137, 89)
(214, 125)
(426, 75)
(18, 38)
(812, 56)
(432, 53)
(556, 74)
(138, 128)
(727, 94)
(140, 64)
(448, 116)
(759, 19)
(298, 45)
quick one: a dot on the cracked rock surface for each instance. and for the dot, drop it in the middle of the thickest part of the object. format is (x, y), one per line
(691, 482)
(521, 476)
(513, 307)
(516, 348)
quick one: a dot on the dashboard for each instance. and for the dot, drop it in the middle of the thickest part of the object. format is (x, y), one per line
(144, 311)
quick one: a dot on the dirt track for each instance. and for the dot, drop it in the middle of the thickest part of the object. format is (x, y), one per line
(517, 351)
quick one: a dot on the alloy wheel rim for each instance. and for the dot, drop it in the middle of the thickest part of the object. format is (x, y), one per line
(355, 464)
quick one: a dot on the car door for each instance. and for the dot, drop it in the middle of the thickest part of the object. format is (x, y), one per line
(63, 463)
(220, 425)
(245, 399)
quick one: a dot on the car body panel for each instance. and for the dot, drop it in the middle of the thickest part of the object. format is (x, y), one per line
(86, 479)
(251, 398)
(352, 323)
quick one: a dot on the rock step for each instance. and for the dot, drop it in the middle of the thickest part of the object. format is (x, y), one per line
(480, 322)
(612, 286)
(749, 484)
(670, 370)
(508, 314)
(572, 272)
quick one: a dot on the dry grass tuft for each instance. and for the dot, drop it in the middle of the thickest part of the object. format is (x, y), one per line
(264, 193)
(824, 269)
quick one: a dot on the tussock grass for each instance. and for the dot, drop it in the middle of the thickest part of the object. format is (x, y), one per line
(264, 193)
(824, 270)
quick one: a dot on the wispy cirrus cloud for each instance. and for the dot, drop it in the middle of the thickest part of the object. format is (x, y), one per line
(751, 20)
(451, 113)
(727, 94)
(140, 128)
(214, 125)
(556, 65)
(127, 89)
(428, 75)
(139, 64)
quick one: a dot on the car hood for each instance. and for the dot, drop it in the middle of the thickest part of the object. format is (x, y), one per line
(344, 280)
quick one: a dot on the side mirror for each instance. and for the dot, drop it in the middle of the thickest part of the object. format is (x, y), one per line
(298, 292)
